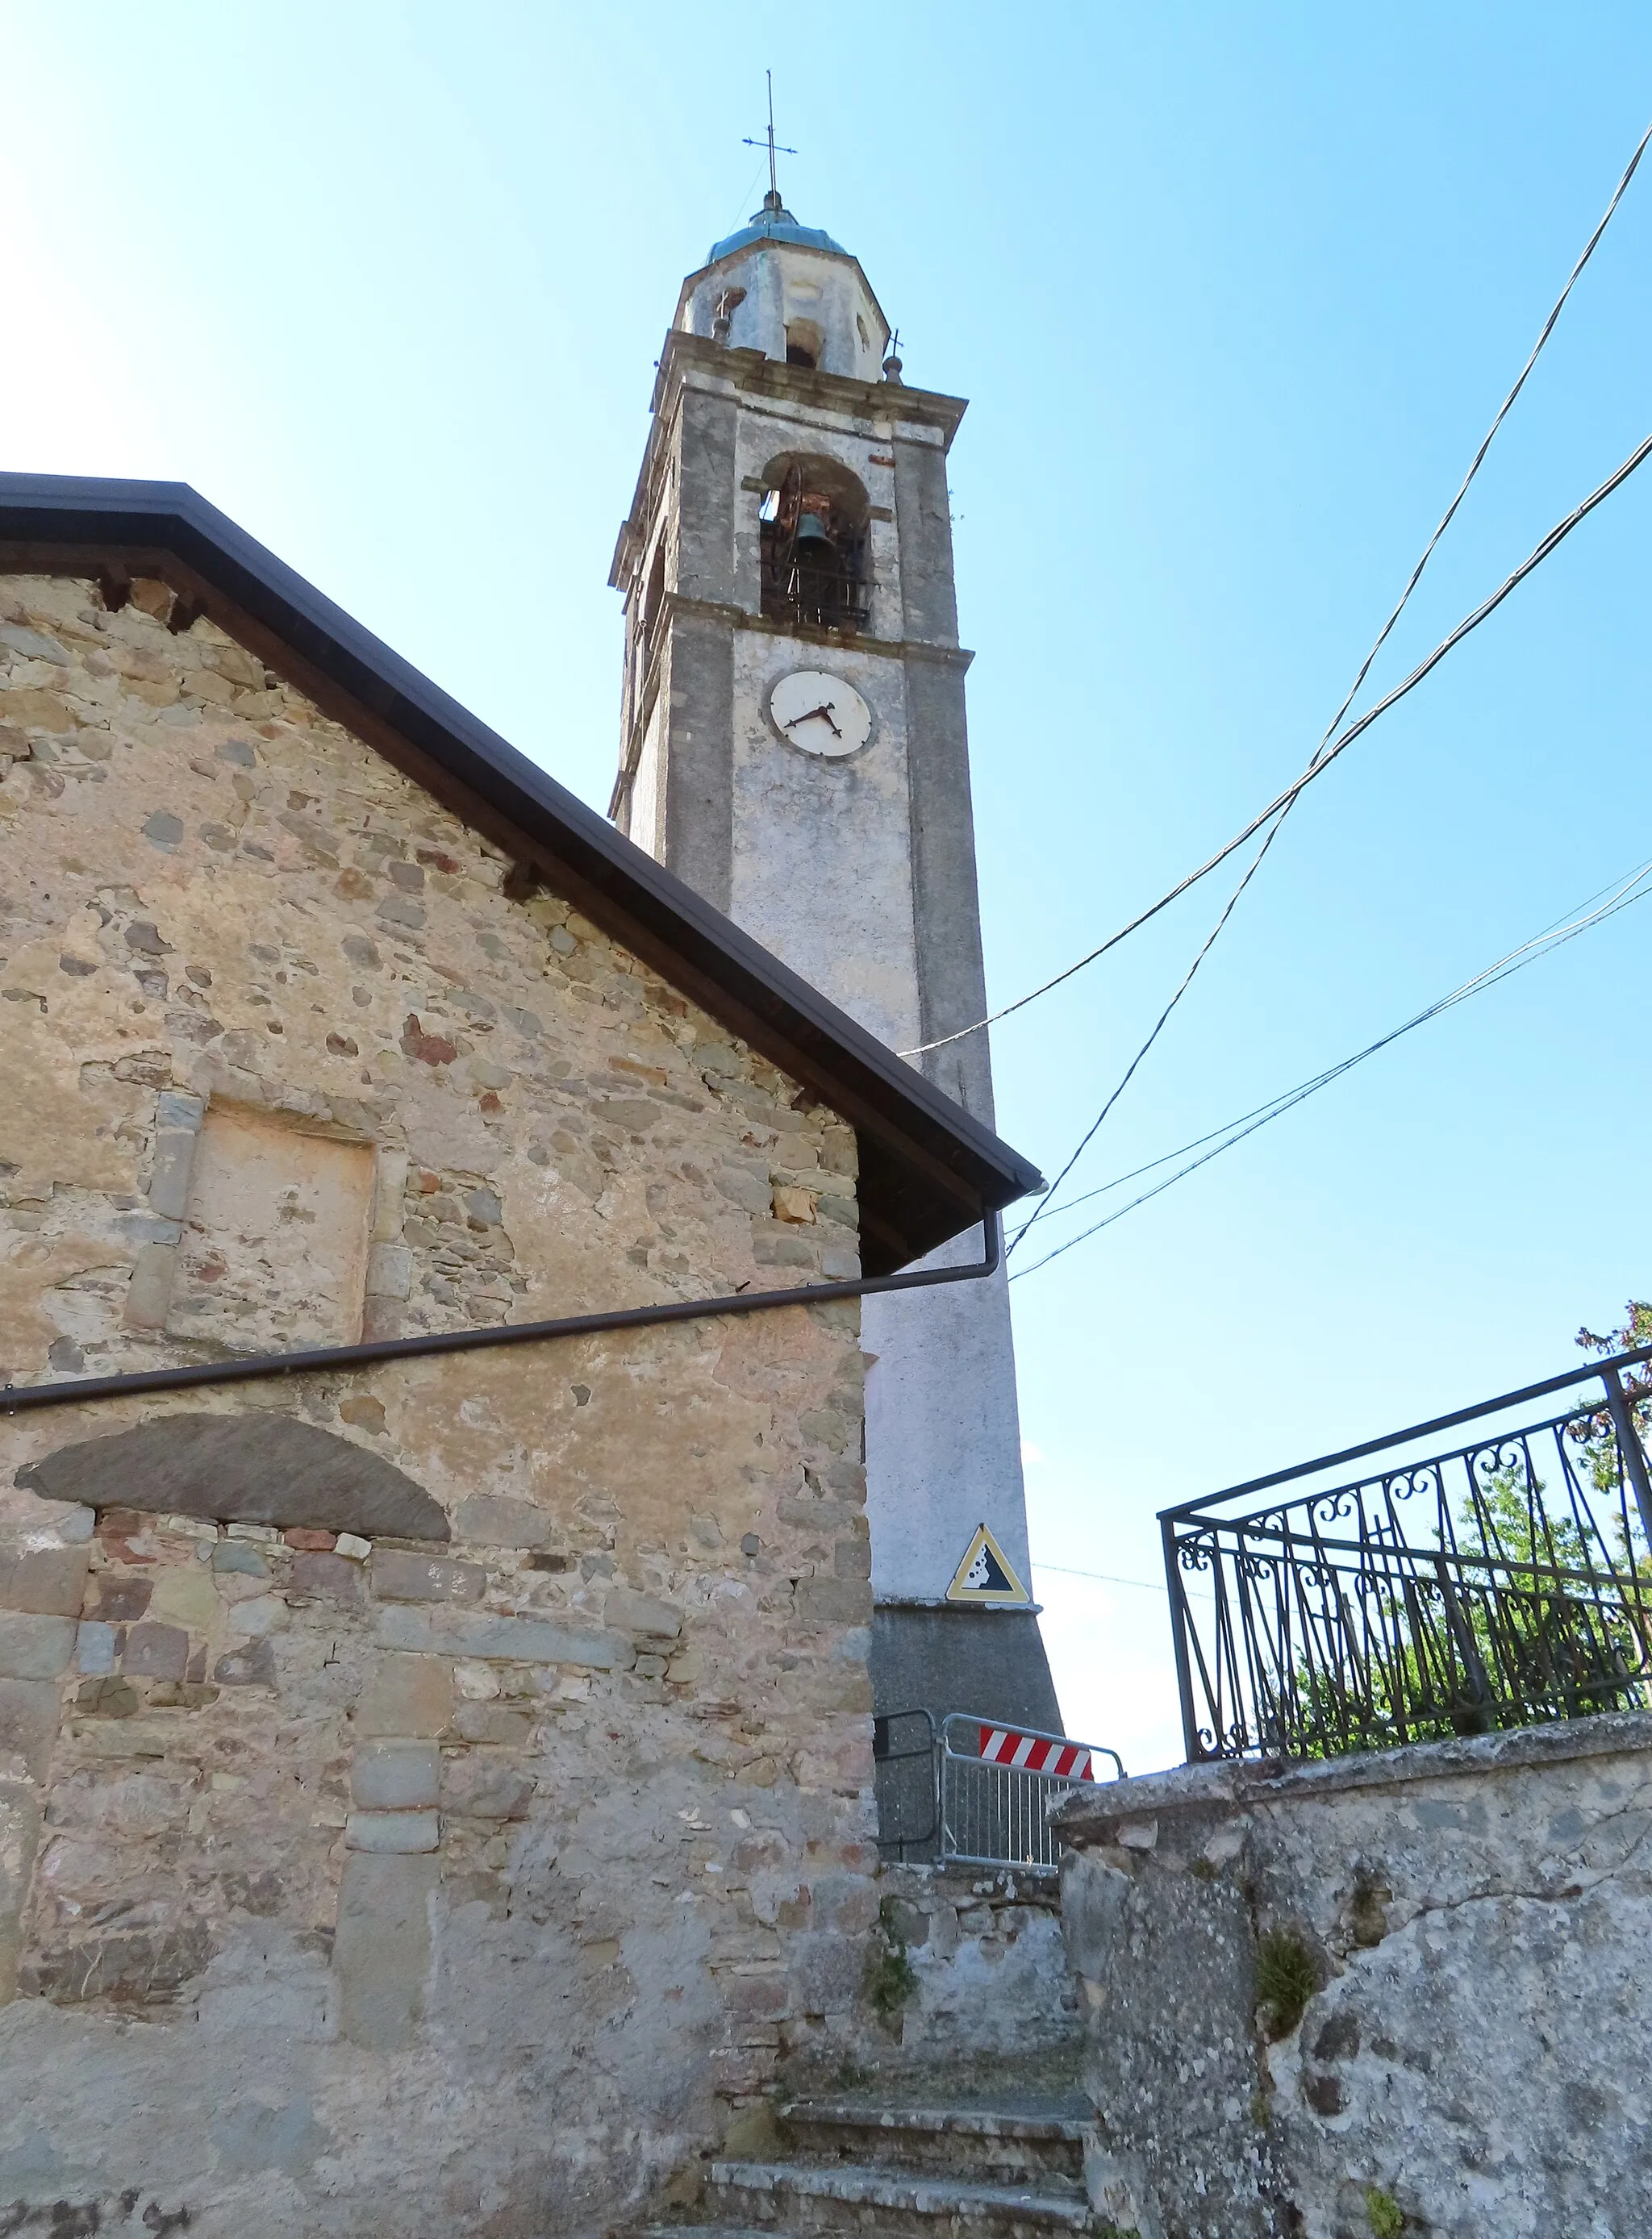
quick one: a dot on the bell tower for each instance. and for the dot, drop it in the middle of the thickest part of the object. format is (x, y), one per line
(793, 745)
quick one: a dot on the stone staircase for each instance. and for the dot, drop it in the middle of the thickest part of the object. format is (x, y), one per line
(1012, 2169)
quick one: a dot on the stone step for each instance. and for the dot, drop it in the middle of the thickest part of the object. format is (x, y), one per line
(840, 2197)
(962, 2141)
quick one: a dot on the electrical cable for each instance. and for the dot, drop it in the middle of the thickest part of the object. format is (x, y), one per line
(1633, 889)
(1277, 808)
(1550, 937)
(1103, 1578)
(1325, 751)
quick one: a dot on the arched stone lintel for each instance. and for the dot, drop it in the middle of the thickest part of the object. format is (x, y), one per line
(242, 1468)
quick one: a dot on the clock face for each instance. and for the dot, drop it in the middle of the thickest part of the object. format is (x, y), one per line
(820, 713)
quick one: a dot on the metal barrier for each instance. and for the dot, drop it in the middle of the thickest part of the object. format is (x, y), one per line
(1502, 1583)
(997, 1784)
(979, 1793)
(903, 1779)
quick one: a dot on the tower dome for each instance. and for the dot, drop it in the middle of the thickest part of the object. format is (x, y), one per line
(791, 291)
(774, 221)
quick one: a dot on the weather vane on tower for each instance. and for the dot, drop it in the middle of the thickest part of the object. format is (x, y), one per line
(773, 198)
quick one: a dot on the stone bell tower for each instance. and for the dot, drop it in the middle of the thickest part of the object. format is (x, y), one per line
(793, 745)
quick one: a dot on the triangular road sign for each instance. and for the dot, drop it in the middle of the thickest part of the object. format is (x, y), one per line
(984, 1574)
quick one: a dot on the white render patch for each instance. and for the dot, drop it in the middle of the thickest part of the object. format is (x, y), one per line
(822, 860)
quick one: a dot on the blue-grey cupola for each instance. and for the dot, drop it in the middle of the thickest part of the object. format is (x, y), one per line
(791, 291)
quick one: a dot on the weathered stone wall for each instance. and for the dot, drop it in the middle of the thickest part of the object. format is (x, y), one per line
(443, 1826)
(1398, 1993)
(987, 2000)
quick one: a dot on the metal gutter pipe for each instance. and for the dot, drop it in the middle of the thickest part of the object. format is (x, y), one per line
(18, 1399)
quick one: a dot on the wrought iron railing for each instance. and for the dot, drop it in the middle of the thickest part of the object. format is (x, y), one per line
(979, 1793)
(1505, 1583)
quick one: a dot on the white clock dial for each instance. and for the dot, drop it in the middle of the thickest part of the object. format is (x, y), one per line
(820, 713)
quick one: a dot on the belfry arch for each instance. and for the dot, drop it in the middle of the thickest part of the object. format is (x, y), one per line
(813, 518)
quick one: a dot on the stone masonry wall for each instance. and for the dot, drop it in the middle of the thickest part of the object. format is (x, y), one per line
(989, 2002)
(463, 1857)
(1404, 1993)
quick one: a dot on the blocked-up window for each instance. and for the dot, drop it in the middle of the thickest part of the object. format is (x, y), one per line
(273, 1252)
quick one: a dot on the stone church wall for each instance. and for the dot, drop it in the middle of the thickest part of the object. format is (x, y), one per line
(1404, 1993)
(437, 1797)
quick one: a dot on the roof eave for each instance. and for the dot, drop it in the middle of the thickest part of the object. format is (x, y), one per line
(928, 1169)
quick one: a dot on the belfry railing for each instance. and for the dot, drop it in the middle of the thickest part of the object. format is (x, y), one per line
(1503, 1582)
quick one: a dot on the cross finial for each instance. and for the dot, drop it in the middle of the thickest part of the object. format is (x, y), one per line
(768, 141)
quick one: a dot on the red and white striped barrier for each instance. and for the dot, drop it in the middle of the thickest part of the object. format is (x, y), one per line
(1033, 1753)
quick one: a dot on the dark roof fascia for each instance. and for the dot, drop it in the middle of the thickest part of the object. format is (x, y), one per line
(928, 1169)
(754, 371)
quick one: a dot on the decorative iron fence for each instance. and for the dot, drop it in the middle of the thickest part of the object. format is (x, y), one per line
(1506, 1582)
(978, 1793)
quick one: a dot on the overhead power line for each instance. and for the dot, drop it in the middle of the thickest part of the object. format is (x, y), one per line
(1046, 1204)
(1326, 752)
(1635, 888)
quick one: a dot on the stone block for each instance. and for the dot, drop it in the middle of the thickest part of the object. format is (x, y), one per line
(410, 1695)
(254, 1466)
(825, 1970)
(149, 1292)
(395, 1776)
(508, 1639)
(122, 1601)
(393, 1833)
(400, 1576)
(173, 1108)
(390, 1270)
(170, 1179)
(235, 1556)
(156, 1652)
(643, 1613)
(264, 1613)
(484, 1788)
(328, 1578)
(251, 1667)
(94, 1647)
(29, 1712)
(382, 1950)
(186, 1595)
(69, 1522)
(834, 1601)
(34, 1646)
(493, 1521)
(493, 1722)
(50, 1581)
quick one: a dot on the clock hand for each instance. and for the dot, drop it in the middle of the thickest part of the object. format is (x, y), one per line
(793, 723)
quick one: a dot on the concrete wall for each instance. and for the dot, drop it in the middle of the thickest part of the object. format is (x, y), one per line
(437, 1797)
(1398, 1993)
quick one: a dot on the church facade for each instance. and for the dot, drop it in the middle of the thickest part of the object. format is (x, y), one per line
(436, 1768)
(794, 746)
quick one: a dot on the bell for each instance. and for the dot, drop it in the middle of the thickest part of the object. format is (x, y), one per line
(813, 542)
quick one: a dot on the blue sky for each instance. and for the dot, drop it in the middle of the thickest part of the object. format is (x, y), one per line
(1235, 293)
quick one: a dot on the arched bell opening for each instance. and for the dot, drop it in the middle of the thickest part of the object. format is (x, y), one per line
(803, 342)
(813, 520)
